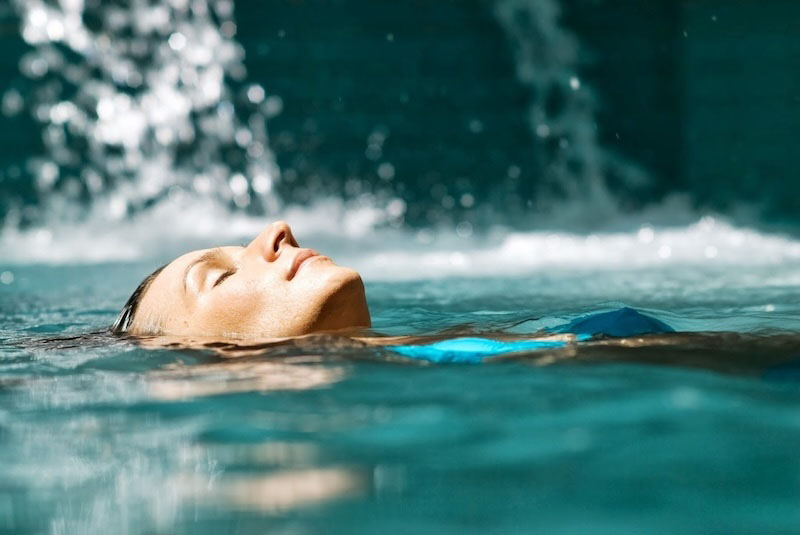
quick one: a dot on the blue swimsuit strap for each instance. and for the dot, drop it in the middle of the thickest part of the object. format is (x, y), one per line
(618, 323)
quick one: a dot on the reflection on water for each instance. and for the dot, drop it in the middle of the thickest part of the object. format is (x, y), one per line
(273, 493)
(236, 377)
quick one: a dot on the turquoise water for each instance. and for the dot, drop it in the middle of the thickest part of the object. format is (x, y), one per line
(99, 435)
(490, 167)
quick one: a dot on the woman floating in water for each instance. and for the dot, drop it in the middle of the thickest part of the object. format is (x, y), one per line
(269, 288)
(243, 299)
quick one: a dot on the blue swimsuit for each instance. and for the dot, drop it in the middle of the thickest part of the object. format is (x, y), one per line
(617, 323)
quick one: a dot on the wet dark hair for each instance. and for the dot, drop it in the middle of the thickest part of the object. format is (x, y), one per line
(128, 312)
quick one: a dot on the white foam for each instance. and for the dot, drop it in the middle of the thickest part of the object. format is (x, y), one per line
(361, 237)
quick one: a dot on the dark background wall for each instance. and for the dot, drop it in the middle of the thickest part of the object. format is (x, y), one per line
(704, 94)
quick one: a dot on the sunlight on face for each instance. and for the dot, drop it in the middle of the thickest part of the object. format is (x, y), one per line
(271, 287)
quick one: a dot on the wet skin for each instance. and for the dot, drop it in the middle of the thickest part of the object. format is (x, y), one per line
(269, 288)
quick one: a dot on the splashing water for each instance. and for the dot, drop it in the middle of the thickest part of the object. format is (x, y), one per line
(561, 114)
(141, 103)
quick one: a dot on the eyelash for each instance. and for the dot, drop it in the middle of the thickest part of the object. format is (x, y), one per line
(222, 278)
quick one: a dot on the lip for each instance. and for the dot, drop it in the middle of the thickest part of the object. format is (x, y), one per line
(299, 259)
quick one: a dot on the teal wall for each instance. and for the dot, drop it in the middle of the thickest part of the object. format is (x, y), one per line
(704, 94)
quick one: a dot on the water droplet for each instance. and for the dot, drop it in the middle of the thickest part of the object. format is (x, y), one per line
(273, 106)
(238, 184)
(55, 30)
(542, 130)
(386, 171)
(396, 208)
(177, 41)
(373, 152)
(255, 94)
(12, 103)
(475, 126)
(228, 28)
(262, 184)
(464, 229)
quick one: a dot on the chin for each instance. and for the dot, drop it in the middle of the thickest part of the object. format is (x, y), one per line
(345, 304)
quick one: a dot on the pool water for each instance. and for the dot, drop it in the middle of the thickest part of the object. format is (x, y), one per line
(100, 435)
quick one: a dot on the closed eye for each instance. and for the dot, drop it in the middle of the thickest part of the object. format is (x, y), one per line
(222, 277)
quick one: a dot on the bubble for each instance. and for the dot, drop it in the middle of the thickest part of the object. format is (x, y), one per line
(425, 236)
(467, 200)
(665, 251)
(476, 126)
(255, 94)
(243, 137)
(262, 184)
(386, 171)
(177, 41)
(574, 83)
(238, 184)
(543, 130)
(273, 105)
(55, 30)
(373, 152)
(464, 229)
(6, 277)
(12, 103)
(47, 175)
(228, 28)
(33, 66)
(396, 208)
(37, 16)
(224, 8)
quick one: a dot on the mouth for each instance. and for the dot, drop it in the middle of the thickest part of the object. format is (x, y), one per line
(303, 256)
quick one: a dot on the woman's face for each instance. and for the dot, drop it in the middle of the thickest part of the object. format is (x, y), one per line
(269, 288)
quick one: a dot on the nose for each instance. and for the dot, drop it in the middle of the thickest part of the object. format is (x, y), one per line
(272, 241)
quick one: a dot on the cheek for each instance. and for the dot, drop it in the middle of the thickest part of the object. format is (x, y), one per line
(245, 306)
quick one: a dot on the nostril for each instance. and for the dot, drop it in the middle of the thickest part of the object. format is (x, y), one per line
(278, 239)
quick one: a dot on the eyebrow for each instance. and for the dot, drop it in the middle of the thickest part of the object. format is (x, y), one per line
(212, 255)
